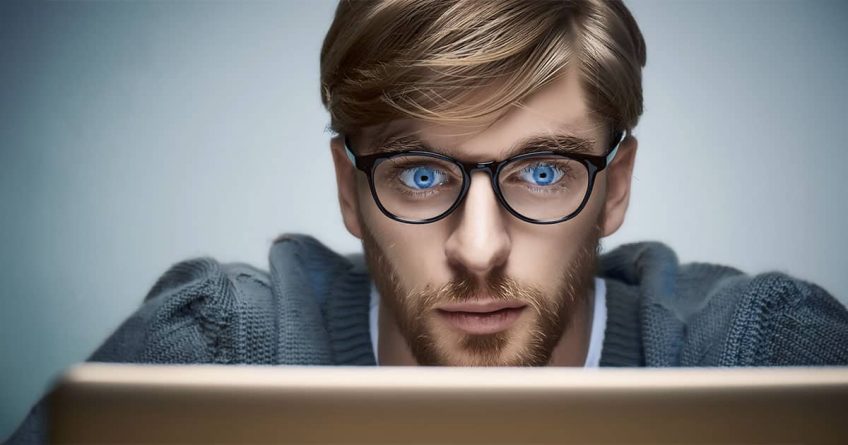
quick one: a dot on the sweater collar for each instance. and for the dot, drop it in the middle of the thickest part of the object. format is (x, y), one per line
(331, 295)
(642, 329)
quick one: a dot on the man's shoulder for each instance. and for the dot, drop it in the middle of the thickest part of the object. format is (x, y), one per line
(701, 314)
(768, 319)
(191, 315)
(210, 278)
(299, 266)
(204, 311)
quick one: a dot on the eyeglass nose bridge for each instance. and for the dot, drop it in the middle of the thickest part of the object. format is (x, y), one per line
(490, 167)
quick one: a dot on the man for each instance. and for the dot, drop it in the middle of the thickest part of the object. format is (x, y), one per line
(482, 149)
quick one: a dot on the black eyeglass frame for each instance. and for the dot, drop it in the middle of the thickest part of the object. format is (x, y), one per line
(593, 163)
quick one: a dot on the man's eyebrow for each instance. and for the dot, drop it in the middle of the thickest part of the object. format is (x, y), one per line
(404, 143)
(562, 144)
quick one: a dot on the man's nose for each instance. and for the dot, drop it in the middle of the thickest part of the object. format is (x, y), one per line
(480, 242)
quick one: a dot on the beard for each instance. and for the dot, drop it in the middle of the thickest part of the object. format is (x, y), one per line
(530, 343)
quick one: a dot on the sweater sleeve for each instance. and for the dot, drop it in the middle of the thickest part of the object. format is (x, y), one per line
(184, 319)
(187, 317)
(782, 321)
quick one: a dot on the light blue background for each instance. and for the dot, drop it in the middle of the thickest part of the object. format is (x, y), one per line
(137, 134)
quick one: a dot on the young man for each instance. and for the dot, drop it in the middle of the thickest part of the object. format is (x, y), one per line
(482, 150)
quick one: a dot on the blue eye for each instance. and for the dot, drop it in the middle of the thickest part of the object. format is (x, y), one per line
(541, 174)
(423, 177)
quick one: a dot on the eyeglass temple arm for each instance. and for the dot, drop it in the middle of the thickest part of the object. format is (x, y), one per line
(349, 152)
(611, 155)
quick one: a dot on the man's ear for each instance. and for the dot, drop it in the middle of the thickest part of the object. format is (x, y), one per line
(346, 183)
(619, 175)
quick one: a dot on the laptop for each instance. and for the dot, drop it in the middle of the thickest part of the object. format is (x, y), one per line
(122, 403)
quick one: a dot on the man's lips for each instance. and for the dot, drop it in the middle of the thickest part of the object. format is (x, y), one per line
(481, 317)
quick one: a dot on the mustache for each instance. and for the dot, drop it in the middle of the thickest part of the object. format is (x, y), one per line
(496, 286)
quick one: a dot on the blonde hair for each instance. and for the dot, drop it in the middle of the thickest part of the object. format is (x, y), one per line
(453, 60)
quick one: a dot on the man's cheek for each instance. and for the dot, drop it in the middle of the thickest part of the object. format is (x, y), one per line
(543, 275)
(418, 264)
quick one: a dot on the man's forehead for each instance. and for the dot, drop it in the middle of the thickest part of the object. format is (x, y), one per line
(557, 111)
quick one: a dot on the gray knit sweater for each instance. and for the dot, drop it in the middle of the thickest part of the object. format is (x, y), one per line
(311, 308)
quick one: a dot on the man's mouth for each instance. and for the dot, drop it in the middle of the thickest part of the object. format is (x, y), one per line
(481, 317)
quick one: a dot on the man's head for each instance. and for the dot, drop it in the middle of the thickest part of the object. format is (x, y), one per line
(502, 276)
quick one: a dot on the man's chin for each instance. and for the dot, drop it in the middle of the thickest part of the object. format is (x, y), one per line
(499, 349)
(464, 358)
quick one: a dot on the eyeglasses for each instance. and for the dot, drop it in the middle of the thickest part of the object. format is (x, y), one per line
(420, 187)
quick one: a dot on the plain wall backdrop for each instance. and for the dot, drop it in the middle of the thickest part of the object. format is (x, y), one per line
(134, 135)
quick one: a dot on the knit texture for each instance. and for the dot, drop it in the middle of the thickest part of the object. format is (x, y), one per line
(311, 308)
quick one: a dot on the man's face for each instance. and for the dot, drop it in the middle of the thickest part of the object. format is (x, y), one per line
(481, 287)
